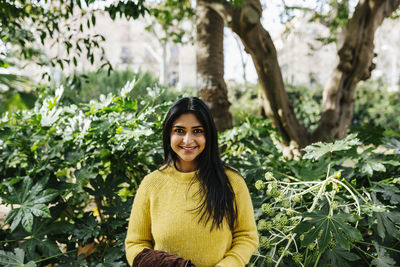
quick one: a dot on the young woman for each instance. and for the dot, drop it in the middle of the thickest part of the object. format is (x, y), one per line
(194, 207)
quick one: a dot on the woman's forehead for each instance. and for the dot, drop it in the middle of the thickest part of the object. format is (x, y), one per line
(187, 120)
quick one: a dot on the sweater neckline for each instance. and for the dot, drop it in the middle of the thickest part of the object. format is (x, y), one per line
(181, 177)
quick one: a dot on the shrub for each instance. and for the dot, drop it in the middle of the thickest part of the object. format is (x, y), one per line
(70, 172)
(337, 206)
(83, 87)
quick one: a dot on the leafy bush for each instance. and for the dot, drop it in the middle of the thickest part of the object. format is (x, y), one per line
(307, 104)
(337, 206)
(81, 88)
(69, 173)
(244, 101)
(375, 105)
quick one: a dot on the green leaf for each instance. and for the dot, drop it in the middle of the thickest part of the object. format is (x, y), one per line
(369, 134)
(86, 229)
(319, 149)
(31, 201)
(339, 257)
(386, 224)
(369, 165)
(325, 227)
(27, 221)
(385, 219)
(308, 171)
(389, 192)
(383, 259)
(16, 259)
(41, 242)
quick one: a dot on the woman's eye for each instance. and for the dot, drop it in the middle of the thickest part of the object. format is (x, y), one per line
(198, 131)
(178, 131)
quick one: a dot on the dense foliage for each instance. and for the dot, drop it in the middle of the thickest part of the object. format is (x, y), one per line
(337, 206)
(69, 173)
(83, 87)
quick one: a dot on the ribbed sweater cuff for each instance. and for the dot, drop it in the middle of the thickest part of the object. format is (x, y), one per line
(229, 262)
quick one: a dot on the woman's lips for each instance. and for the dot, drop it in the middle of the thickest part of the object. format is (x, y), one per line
(189, 149)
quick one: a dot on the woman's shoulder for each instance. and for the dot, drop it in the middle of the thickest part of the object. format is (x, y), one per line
(234, 176)
(154, 179)
(230, 171)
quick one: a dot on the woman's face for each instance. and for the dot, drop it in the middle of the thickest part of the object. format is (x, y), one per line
(188, 140)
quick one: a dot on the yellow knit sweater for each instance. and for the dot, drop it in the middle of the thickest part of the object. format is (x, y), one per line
(162, 219)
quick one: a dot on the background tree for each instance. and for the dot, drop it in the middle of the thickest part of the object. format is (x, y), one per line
(26, 27)
(211, 86)
(356, 55)
(168, 22)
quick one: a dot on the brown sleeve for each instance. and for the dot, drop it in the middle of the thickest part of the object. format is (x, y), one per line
(157, 258)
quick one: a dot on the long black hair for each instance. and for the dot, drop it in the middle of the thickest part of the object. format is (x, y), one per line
(218, 199)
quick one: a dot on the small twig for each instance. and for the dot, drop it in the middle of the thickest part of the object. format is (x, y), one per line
(286, 248)
(57, 255)
(321, 190)
(317, 260)
(366, 243)
(358, 193)
(351, 192)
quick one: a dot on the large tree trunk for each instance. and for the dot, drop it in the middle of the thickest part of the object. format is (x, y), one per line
(355, 64)
(245, 22)
(211, 85)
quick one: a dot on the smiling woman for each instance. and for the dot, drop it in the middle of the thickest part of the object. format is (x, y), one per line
(195, 210)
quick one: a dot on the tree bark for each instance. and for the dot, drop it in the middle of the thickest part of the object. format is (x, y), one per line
(355, 64)
(245, 22)
(211, 86)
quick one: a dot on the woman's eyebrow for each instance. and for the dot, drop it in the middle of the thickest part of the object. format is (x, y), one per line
(183, 127)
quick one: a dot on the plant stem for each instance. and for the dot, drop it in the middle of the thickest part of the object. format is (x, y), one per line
(317, 260)
(365, 253)
(288, 176)
(57, 255)
(284, 251)
(316, 198)
(305, 258)
(358, 193)
(351, 192)
(366, 243)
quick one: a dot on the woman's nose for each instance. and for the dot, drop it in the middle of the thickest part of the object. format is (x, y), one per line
(187, 138)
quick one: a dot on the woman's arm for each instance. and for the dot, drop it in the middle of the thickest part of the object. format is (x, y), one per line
(244, 234)
(139, 229)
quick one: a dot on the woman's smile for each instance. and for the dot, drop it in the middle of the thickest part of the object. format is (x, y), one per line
(189, 149)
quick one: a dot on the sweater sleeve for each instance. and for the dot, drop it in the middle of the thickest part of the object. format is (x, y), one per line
(244, 234)
(139, 229)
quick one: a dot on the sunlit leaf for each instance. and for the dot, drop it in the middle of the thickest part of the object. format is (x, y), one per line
(319, 149)
(383, 259)
(16, 259)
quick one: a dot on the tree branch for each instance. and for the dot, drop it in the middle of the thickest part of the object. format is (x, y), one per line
(245, 22)
(355, 64)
